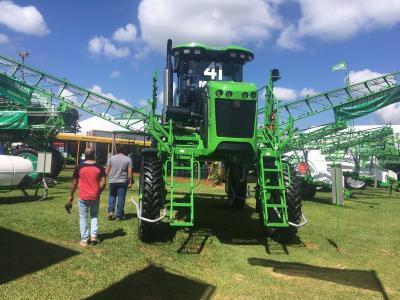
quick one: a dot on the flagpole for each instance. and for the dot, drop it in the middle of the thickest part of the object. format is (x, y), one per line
(347, 74)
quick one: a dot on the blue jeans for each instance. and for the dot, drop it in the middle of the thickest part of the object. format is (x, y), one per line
(84, 206)
(117, 190)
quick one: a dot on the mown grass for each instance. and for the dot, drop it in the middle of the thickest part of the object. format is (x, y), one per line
(225, 256)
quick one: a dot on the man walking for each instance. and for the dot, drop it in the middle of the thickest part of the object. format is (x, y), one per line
(90, 178)
(119, 170)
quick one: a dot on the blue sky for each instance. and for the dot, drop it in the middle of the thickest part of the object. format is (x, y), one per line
(114, 46)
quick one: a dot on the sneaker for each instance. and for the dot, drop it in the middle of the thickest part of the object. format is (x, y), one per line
(84, 243)
(110, 216)
(119, 219)
(94, 240)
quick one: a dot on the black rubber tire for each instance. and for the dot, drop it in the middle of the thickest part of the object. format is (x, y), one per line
(293, 202)
(308, 190)
(152, 191)
(57, 162)
(236, 185)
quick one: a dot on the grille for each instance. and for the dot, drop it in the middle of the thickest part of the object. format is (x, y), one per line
(235, 118)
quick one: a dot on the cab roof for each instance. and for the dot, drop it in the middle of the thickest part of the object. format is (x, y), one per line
(231, 51)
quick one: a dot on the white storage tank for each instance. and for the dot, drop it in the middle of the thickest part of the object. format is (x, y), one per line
(13, 169)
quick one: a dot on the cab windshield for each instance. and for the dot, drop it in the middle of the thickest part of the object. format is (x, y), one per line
(196, 73)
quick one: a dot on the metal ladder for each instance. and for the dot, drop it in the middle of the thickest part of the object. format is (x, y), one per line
(272, 189)
(186, 206)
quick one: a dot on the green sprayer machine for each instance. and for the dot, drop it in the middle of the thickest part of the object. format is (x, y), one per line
(29, 121)
(211, 116)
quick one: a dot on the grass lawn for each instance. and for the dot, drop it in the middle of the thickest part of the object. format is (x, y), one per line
(226, 255)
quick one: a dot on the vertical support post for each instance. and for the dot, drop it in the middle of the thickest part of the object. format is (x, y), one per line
(337, 184)
(113, 144)
(172, 187)
(77, 153)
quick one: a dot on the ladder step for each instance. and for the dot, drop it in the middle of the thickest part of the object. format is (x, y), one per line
(181, 223)
(180, 204)
(182, 168)
(275, 205)
(273, 170)
(270, 187)
(283, 224)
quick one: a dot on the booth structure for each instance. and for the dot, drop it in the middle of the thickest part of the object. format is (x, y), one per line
(102, 136)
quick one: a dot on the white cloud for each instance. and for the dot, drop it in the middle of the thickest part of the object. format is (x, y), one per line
(115, 74)
(363, 75)
(289, 39)
(307, 92)
(338, 20)
(100, 45)
(142, 52)
(24, 19)
(67, 94)
(389, 113)
(4, 39)
(285, 94)
(97, 89)
(96, 44)
(125, 34)
(142, 103)
(288, 94)
(207, 21)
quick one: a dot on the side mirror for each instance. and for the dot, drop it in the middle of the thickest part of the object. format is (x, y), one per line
(275, 76)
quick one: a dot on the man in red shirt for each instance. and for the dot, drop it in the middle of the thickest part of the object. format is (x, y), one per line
(90, 177)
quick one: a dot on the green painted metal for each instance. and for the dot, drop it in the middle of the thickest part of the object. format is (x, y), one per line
(209, 48)
(347, 103)
(311, 138)
(24, 81)
(178, 146)
(16, 120)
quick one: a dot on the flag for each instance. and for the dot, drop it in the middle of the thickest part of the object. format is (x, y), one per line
(340, 66)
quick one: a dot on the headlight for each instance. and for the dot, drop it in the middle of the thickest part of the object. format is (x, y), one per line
(218, 93)
(229, 94)
(245, 95)
(253, 95)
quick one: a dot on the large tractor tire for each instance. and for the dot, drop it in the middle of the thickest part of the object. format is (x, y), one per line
(236, 185)
(152, 192)
(308, 190)
(57, 162)
(293, 202)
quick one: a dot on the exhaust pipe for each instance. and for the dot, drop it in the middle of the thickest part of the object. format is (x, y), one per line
(168, 82)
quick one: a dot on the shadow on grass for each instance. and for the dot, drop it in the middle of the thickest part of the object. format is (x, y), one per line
(111, 235)
(232, 226)
(155, 283)
(21, 255)
(130, 216)
(356, 278)
(23, 198)
(362, 202)
(195, 242)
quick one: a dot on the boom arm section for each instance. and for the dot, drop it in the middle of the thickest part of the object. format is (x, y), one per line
(20, 82)
(344, 140)
(347, 103)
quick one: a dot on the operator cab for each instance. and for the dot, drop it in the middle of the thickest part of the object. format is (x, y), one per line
(196, 64)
